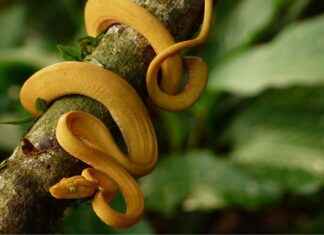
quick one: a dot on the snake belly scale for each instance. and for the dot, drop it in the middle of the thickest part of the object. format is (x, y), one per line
(85, 137)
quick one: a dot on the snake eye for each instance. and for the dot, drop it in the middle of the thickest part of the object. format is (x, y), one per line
(72, 189)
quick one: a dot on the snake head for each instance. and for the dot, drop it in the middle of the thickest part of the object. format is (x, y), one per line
(73, 187)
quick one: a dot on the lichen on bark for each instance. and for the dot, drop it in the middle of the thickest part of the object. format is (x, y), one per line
(25, 204)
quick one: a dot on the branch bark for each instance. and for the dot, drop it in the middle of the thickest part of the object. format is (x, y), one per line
(25, 204)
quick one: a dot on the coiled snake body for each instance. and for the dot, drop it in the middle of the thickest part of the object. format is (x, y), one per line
(86, 137)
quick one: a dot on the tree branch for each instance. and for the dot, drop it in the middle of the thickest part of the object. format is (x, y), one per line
(25, 204)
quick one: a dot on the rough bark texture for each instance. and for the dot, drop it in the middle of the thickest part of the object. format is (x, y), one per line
(25, 204)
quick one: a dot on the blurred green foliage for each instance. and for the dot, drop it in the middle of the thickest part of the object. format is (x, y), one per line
(247, 158)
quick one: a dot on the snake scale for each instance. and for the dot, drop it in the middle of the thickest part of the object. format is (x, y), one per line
(88, 139)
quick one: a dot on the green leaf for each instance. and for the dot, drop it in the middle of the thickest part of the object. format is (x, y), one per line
(201, 181)
(296, 56)
(41, 105)
(69, 53)
(19, 122)
(279, 136)
(247, 19)
(88, 44)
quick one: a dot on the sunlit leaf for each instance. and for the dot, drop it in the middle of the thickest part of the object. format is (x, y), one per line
(247, 19)
(294, 57)
(280, 136)
(201, 181)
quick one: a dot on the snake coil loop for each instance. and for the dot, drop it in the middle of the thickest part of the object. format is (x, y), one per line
(87, 138)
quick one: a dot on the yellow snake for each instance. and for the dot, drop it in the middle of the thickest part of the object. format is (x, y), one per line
(87, 138)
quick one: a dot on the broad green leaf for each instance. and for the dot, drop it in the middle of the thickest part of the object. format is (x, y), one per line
(12, 23)
(280, 136)
(296, 56)
(247, 19)
(201, 181)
